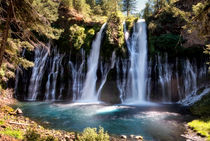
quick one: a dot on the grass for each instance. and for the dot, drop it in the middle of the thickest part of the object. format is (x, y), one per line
(2, 122)
(13, 133)
(202, 126)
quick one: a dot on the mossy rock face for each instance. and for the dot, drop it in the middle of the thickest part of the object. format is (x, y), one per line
(202, 107)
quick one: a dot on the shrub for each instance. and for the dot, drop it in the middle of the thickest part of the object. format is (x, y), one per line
(202, 126)
(77, 36)
(31, 135)
(91, 134)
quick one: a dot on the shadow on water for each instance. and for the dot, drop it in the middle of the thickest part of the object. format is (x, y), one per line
(154, 122)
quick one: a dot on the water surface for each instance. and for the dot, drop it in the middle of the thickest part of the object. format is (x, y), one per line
(153, 122)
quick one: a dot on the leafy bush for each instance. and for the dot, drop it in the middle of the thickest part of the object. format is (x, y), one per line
(77, 36)
(170, 43)
(31, 135)
(91, 134)
(114, 35)
(13, 133)
(202, 126)
(130, 23)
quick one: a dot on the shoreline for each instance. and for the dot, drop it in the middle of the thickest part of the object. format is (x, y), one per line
(19, 122)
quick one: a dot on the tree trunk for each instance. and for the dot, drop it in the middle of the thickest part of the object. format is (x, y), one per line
(5, 33)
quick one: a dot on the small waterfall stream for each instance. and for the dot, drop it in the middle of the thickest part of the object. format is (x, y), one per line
(37, 73)
(77, 77)
(89, 90)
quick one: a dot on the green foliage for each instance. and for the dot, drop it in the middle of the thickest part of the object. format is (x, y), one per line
(77, 36)
(165, 43)
(202, 107)
(110, 6)
(130, 23)
(82, 6)
(114, 35)
(13, 133)
(6, 109)
(48, 9)
(91, 134)
(68, 3)
(89, 38)
(129, 6)
(31, 135)
(202, 126)
(2, 122)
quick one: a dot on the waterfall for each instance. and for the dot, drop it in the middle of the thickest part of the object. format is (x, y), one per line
(104, 72)
(37, 73)
(77, 77)
(58, 76)
(137, 46)
(122, 77)
(89, 90)
(51, 85)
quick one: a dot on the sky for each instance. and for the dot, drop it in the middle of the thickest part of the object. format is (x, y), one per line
(140, 5)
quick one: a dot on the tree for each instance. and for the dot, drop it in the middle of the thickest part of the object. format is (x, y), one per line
(129, 5)
(147, 11)
(92, 3)
(109, 6)
(200, 22)
(22, 21)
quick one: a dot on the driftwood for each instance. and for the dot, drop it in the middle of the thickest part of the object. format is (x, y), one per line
(19, 123)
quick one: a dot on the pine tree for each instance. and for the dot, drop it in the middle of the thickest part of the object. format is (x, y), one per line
(22, 21)
(129, 5)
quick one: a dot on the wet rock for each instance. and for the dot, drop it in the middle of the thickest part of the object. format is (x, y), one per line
(18, 111)
(132, 136)
(139, 137)
(123, 137)
(68, 138)
(46, 122)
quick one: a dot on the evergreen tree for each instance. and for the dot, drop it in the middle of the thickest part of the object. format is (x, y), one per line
(22, 21)
(129, 5)
(109, 6)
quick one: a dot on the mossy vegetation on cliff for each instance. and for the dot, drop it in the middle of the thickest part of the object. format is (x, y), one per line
(114, 35)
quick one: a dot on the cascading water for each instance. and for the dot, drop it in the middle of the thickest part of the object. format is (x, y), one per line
(58, 76)
(122, 77)
(37, 73)
(50, 93)
(137, 46)
(89, 90)
(105, 71)
(77, 77)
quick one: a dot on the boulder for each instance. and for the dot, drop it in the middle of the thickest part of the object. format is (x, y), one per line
(139, 137)
(18, 111)
(132, 136)
(123, 137)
